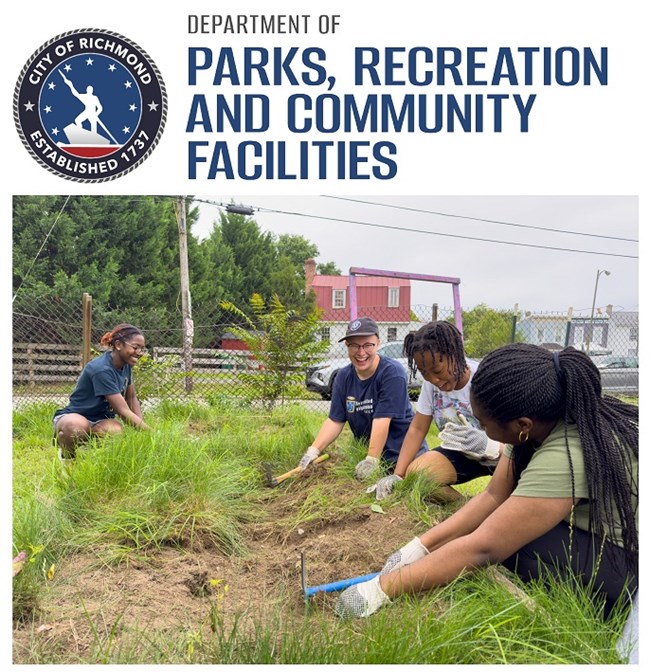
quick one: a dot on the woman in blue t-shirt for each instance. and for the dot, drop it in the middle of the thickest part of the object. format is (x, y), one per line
(370, 394)
(104, 390)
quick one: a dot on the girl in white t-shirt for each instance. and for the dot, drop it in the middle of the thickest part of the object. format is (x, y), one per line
(436, 351)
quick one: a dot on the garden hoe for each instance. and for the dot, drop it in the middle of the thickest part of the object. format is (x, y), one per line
(309, 591)
(273, 481)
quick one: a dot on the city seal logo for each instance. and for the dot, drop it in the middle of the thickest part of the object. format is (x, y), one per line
(90, 105)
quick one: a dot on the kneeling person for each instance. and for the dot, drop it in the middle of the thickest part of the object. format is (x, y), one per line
(105, 389)
(371, 395)
(436, 351)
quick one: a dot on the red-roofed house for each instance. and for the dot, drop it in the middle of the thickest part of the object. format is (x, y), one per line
(386, 299)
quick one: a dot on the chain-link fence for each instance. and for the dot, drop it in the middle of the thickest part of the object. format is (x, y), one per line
(203, 358)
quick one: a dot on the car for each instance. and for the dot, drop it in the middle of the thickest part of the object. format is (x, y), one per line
(320, 377)
(619, 373)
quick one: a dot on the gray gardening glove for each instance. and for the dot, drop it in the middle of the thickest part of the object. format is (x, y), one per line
(409, 553)
(471, 441)
(310, 455)
(366, 467)
(384, 486)
(361, 600)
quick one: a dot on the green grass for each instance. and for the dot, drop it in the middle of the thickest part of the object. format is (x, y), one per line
(471, 622)
(194, 481)
(143, 490)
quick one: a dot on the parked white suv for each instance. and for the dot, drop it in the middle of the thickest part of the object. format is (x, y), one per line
(320, 377)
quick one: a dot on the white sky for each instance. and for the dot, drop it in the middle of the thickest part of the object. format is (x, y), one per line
(499, 275)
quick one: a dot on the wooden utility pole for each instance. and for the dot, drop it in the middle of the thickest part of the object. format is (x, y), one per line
(186, 299)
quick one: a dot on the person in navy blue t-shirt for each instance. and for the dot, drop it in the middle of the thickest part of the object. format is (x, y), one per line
(104, 390)
(371, 395)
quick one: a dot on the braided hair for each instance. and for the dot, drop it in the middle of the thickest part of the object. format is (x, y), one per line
(440, 339)
(524, 380)
(120, 333)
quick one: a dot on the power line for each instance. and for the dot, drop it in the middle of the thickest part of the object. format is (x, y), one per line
(429, 233)
(482, 219)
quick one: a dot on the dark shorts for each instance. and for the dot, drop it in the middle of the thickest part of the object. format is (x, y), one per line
(391, 462)
(466, 468)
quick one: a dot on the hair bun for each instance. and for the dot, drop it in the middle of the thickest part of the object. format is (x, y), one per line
(107, 338)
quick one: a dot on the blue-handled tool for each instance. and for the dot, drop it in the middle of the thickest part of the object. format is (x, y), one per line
(309, 591)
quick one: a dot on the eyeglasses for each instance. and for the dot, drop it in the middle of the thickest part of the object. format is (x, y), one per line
(138, 349)
(355, 347)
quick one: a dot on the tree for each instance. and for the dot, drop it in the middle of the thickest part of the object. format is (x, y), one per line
(328, 268)
(121, 249)
(124, 251)
(288, 280)
(258, 264)
(284, 342)
(254, 256)
(213, 271)
(485, 329)
(289, 286)
(297, 249)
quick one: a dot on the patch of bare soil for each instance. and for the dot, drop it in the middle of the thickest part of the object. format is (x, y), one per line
(173, 589)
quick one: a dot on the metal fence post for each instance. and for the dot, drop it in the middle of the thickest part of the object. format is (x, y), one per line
(513, 334)
(87, 310)
(567, 334)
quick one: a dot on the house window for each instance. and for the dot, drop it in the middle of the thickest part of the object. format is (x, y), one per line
(393, 297)
(634, 333)
(391, 333)
(325, 334)
(338, 298)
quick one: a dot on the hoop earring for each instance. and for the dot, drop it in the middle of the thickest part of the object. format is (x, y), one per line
(522, 439)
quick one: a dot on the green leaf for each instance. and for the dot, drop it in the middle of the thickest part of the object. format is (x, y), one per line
(377, 508)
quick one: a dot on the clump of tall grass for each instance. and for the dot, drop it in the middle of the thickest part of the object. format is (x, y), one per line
(279, 437)
(142, 490)
(38, 527)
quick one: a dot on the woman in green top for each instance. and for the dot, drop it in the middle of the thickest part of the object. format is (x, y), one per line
(564, 493)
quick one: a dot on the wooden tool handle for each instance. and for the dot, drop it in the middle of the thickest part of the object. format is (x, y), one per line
(298, 470)
(288, 474)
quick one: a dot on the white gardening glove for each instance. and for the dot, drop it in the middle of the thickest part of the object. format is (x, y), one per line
(471, 441)
(384, 486)
(361, 600)
(409, 553)
(366, 467)
(310, 455)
